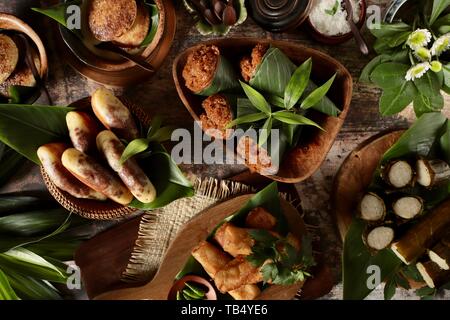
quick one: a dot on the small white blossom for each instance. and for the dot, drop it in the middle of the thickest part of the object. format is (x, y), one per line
(441, 45)
(417, 71)
(423, 54)
(419, 38)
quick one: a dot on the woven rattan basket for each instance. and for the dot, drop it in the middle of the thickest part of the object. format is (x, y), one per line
(93, 209)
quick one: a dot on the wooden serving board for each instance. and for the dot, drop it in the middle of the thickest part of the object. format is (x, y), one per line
(189, 237)
(355, 175)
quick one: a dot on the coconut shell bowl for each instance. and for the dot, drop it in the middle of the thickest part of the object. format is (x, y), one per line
(303, 160)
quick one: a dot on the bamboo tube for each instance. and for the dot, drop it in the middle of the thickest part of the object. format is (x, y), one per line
(440, 253)
(432, 172)
(432, 274)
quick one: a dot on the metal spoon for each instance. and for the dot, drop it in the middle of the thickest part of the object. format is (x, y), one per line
(136, 59)
(229, 16)
(356, 33)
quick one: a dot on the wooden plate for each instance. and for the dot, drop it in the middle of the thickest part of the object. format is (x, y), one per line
(192, 233)
(121, 73)
(93, 209)
(10, 22)
(355, 175)
(302, 161)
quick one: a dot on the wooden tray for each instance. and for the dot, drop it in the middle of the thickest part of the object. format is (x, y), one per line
(301, 162)
(355, 175)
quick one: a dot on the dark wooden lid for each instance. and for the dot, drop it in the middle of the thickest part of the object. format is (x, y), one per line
(279, 15)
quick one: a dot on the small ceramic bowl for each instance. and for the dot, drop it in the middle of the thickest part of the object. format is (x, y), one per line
(334, 40)
(114, 70)
(10, 22)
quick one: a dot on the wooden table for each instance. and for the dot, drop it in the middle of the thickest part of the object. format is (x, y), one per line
(159, 96)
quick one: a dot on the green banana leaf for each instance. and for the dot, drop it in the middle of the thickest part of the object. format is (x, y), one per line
(6, 291)
(10, 162)
(12, 204)
(225, 79)
(154, 16)
(25, 128)
(25, 262)
(29, 288)
(274, 73)
(59, 247)
(267, 198)
(420, 139)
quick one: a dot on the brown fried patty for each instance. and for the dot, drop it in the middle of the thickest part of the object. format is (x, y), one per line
(200, 67)
(9, 56)
(111, 19)
(218, 115)
(250, 64)
(136, 35)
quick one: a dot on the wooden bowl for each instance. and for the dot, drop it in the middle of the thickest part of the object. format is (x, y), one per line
(10, 22)
(94, 209)
(120, 72)
(302, 161)
(189, 237)
(334, 40)
(355, 175)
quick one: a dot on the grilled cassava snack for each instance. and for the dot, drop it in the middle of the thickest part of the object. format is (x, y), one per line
(398, 174)
(93, 174)
(408, 207)
(109, 20)
(9, 57)
(130, 172)
(372, 207)
(113, 114)
(50, 157)
(380, 237)
(83, 130)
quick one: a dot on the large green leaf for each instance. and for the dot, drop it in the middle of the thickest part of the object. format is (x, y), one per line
(314, 97)
(429, 84)
(390, 74)
(419, 138)
(424, 104)
(395, 99)
(225, 79)
(133, 148)
(273, 73)
(444, 142)
(6, 291)
(438, 7)
(32, 289)
(386, 30)
(11, 204)
(25, 128)
(26, 262)
(256, 98)
(10, 162)
(169, 181)
(357, 259)
(293, 118)
(58, 12)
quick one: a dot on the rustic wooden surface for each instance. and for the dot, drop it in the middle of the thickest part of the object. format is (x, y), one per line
(159, 97)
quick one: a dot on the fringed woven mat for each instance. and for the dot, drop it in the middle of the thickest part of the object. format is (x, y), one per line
(158, 228)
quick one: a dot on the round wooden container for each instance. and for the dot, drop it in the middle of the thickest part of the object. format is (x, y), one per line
(94, 209)
(121, 72)
(10, 22)
(334, 40)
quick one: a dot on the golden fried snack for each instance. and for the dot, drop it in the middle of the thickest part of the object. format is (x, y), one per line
(250, 64)
(136, 35)
(114, 114)
(82, 130)
(201, 67)
(93, 174)
(111, 19)
(212, 260)
(260, 218)
(236, 241)
(237, 273)
(9, 57)
(130, 172)
(50, 157)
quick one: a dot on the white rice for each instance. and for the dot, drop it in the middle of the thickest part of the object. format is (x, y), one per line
(333, 25)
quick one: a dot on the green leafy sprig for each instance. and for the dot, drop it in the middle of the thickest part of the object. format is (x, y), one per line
(191, 292)
(281, 262)
(334, 9)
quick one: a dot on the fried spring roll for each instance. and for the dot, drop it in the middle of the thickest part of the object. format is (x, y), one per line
(50, 157)
(213, 260)
(93, 174)
(236, 241)
(237, 273)
(260, 218)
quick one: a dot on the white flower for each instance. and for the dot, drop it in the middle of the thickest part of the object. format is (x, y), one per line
(417, 71)
(440, 45)
(423, 54)
(419, 38)
(436, 66)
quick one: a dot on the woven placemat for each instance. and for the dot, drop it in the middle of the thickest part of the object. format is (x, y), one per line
(158, 228)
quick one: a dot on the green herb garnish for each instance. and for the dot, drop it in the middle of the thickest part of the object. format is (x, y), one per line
(288, 265)
(333, 10)
(191, 292)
